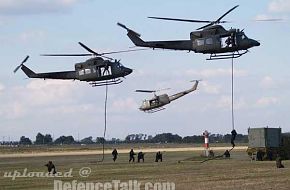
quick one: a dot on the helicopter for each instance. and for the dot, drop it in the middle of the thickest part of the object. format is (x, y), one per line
(211, 39)
(97, 70)
(156, 103)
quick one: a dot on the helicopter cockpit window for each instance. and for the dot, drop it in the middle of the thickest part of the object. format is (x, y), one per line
(244, 36)
(200, 42)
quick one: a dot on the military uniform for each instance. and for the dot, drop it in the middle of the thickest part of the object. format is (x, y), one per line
(50, 167)
(115, 154)
(141, 156)
(279, 162)
(234, 134)
(131, 155)
(158, 156)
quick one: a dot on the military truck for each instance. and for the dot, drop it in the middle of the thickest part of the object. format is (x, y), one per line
(265, 143)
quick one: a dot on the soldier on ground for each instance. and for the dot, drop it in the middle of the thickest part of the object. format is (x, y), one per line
(270, 155)
(260, 155)
(141, 156)
(132, 155)
(50, 167)
(227, 154)
(115, 154)
(158, 156)
(279, 162)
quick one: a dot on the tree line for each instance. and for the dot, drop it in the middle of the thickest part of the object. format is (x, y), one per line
(133, 138)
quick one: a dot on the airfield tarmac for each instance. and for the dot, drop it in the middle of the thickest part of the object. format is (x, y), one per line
(108, 151)
(181, 166)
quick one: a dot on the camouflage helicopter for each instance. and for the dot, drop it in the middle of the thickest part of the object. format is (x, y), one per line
(211, 39)
(97, 71)
(156, 103)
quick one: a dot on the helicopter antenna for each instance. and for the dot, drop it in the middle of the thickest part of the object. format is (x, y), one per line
(19, 66)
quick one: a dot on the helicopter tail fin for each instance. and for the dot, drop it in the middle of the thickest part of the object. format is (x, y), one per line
(134, 36)
(195, 85)
(28, 72)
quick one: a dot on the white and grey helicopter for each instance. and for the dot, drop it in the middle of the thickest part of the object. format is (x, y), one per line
(156, 103)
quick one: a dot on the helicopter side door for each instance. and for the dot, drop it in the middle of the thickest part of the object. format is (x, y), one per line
(154, 103)
(207, 44)
(87, 74)
(105, 70)
(229, 41)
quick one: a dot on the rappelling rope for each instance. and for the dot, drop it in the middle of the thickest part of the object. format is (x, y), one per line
(233, 118)
(105, 121)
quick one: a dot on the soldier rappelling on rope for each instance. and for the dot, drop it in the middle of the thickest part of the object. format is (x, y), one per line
(234, 134)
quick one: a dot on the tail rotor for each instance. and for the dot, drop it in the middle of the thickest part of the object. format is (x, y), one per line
(19, 66)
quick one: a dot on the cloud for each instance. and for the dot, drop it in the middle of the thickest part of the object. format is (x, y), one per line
(41, 95)
(225, 102)
(28, 36)
(267, 82)
(13, 110)
(265, 17)
(209, 88)
(1, 88)
(212, 73)
(267, 101)
(20, 7)
(126, 104)
(279, 6)
(40, 92)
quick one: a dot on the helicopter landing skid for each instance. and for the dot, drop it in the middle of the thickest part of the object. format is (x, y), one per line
(106, 83)
(226, 56)
(155, 110)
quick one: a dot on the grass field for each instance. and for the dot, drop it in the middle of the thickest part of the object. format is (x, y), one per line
(236, 173)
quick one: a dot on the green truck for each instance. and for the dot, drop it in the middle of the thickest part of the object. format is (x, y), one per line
(265, 143)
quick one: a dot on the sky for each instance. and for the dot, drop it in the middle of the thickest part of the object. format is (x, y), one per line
(33, 27)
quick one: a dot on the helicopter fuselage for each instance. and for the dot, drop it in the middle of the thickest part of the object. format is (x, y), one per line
(156, 102)
(94, 69)
(215, 39)
(98, 69)
(211, 40)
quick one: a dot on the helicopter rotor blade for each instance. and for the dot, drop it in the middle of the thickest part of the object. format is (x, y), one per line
(88, 49)
(19, 66)
(106, 57)
(182, 20)
(146, 91)
(66, 55)
(269, 20)
(220, 18)
(26, 58)
(16, 69)
(162, 89)
(210, 24)
(123, 51)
